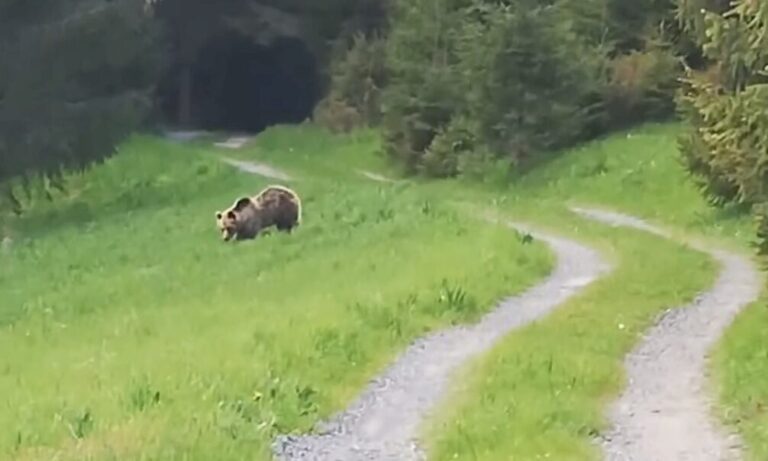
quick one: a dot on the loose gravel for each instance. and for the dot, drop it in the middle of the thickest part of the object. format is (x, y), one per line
(384, 422)
(376, 176)
(261, 169)
(665, 412)
(235, 142)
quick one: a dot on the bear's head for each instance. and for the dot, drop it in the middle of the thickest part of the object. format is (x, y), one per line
(228, 221)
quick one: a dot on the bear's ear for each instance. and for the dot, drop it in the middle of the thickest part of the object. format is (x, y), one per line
(231, 215)
(241, 203)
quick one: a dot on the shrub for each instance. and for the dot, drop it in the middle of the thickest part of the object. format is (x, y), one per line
(357, 79)
(726, 149)
(525, 88)
(640, 85)
(727, 146)
(509, 70)
(337, 115)
(451, 143)
(761, 221)
(424, 93)
(733, 131)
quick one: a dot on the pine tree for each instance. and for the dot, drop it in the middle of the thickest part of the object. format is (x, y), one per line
(726, 148)
(75, 79)
(525, 88)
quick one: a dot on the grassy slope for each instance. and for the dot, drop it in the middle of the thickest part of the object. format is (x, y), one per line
(540, 394)
(542, 390)
(136, 334)
(643, 165)
(564, 370)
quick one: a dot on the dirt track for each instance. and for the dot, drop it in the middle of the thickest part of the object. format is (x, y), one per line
(383, 423)
(664, 413)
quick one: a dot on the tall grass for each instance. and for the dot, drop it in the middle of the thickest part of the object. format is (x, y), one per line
(542, 393)
(135, 334)
(639, 171)
(130, 331)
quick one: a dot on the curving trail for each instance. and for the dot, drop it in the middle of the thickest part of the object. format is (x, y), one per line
(376, 176)
(383, 423)
(234, 142)
(261, 169)
(664, 413)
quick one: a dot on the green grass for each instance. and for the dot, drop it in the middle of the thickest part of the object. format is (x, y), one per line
(740, 370)
(643, 166)
(639, 172)
(130, 331)
(136, 334)
(541, 394)
(307, 151)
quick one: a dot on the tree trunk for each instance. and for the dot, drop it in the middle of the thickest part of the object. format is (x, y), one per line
(185, 96)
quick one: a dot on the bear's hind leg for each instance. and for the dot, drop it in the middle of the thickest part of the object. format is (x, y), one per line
(285, 225)
(287, 228)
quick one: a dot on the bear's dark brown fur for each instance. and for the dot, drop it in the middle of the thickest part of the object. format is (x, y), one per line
(276, 206)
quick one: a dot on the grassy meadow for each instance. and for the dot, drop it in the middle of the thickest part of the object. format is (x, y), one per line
(541, 393)
(136, 334)
(643, 166)
(130, 331)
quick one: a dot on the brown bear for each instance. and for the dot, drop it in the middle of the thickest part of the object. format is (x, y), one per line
(276, 206)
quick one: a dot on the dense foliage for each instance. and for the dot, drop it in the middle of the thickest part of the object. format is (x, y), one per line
(451, 83)
(726, 149)
(77, 76)
(468, 80)
(57, 107)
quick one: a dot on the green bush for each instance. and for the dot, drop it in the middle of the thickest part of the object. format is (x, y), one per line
(722, 148)
(726, 149)
(424, 93)
(641, 85)
(337, 115)
(357, 78)
(525, 87)
(516, 78)
(456, 140)
(727, 146)
(761, 223)
(509, 70)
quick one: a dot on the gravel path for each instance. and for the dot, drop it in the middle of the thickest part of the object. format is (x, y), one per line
(184, 136)
(234, 142)
(664, 414)
(261, 169)
(384, 422)
(376, 176)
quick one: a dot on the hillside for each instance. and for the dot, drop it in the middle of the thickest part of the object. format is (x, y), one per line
(138, 334)
(155, 340)
(531, 230)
